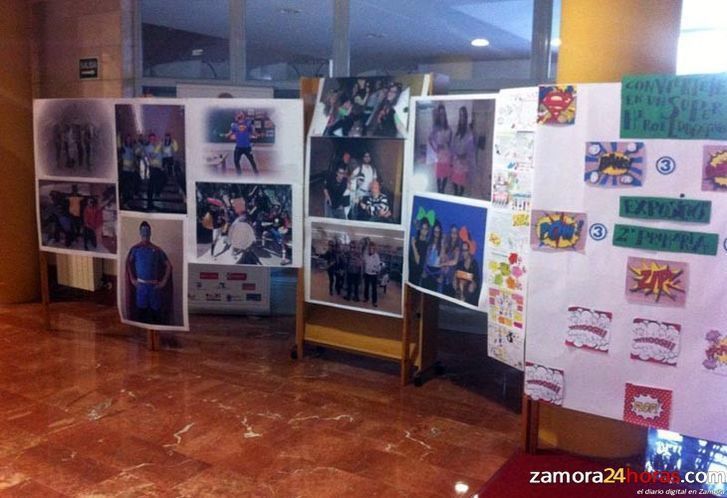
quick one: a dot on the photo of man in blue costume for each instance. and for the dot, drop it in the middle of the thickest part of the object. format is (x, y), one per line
(149, 289)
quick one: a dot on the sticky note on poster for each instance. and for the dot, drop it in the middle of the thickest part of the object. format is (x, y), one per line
(683, 107)
(588, 328)
(665, 208)
(557, 104)
(656, 282)
(544, 384)
(714, 168)
(614, 164)
(716, 352)
(654, 341)
(656, 239)
(557, 231)
(647, 406)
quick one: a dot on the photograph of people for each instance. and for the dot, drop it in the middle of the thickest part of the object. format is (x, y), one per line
(356, 179)
(356, 267)
(246, 140)
(242, 132)
(453, 146)
(73, 216)
(74, 138)
(446, 248)
(152, 282)
(366, 107)
(152, 172)
(244, 224)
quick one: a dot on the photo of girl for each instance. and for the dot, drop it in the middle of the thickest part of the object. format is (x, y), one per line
(453, 145)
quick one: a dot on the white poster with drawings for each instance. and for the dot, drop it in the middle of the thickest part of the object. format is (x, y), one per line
(641, 312)
(509, 224)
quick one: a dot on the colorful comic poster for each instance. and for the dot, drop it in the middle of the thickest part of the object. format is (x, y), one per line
(656, 282)
(544, 384)
(655, 341)
(588, 328)
(557, 104)
(716, 352)
(615, 164)
(647, 406)
(558, 231)
(714, 168)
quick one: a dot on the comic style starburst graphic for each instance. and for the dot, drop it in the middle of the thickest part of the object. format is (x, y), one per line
(657, 280)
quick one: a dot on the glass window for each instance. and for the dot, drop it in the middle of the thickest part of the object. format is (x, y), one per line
(471, 41)
(288, 39)
(703, 25)
(183, 39)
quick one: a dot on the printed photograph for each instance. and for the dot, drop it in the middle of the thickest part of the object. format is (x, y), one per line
(151, 159)
(356, 267)
(453, 147)
(244, 224)
(354, 179)
(77, 216)
(248, 140)
(152, 272)
(447, 249)
(74, 138)
(366, 107)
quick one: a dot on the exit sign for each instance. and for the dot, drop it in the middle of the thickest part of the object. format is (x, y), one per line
(88, 68)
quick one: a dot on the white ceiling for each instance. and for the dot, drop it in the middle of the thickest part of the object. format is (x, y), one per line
(382, 31)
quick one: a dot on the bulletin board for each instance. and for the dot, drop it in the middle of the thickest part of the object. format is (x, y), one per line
(627, 314)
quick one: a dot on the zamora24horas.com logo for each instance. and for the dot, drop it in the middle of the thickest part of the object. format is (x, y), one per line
(623, 475)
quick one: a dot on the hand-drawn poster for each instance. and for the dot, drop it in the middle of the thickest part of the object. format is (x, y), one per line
(614, 164)
(544, 384)
(714, 168)
(508, 228)
(587, 328)
(655, 341)
(557, 105)
(716, 352)
(647, 406)
(558, 231)
(656, 282)
(505, 344)
(652, 272)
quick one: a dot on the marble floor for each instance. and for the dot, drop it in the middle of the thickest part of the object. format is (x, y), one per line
(87, 410)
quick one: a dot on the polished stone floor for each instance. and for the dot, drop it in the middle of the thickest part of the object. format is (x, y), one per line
(87, 410)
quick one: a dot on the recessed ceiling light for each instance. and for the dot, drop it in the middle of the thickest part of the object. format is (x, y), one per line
(480, 42)
(555, 42)
(289, 10)
(461, 488)
(196, 52)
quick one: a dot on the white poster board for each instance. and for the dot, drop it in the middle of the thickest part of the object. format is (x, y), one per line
(599, 341)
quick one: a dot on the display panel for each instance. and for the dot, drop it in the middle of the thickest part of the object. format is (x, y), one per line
(635, 309)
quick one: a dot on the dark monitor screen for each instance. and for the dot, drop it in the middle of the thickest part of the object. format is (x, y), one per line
(670, 451)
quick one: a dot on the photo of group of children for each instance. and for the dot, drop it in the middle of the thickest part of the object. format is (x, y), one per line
(447, 248)
(356, 179)
(358, 267)
(453, 146)
(249, 224)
